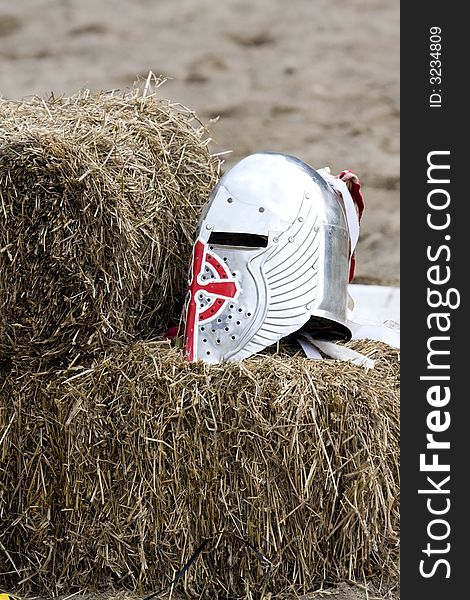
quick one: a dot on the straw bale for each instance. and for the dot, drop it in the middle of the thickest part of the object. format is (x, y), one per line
(99, 199)
(113, 472)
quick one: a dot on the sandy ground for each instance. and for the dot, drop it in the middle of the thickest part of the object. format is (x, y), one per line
(312, 78)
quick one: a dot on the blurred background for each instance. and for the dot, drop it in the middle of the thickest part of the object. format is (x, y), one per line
(313, 78)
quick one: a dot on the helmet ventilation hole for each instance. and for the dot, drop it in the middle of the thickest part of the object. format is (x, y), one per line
(229, 200)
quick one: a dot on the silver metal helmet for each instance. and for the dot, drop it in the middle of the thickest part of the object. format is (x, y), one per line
(271, 256)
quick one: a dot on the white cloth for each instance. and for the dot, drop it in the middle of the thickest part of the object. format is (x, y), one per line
(340, 187)
(386, 330)
(311, 346)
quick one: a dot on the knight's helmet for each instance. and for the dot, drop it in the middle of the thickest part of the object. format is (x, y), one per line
(272, 255)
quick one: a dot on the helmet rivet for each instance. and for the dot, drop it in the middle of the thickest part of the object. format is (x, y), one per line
(291, 238)
(229, 200)
(301, 219)
(308, 306)
(209, 226)
(316, 228)
(275, 239)
(261, 209)
(307, 196)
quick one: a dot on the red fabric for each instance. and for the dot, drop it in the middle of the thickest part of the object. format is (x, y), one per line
(354, 187)
(172, 333)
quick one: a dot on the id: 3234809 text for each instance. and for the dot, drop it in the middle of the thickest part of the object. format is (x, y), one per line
(435, 67)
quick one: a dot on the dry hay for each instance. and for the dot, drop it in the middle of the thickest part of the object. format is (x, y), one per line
(99, 199)
(113, 473)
